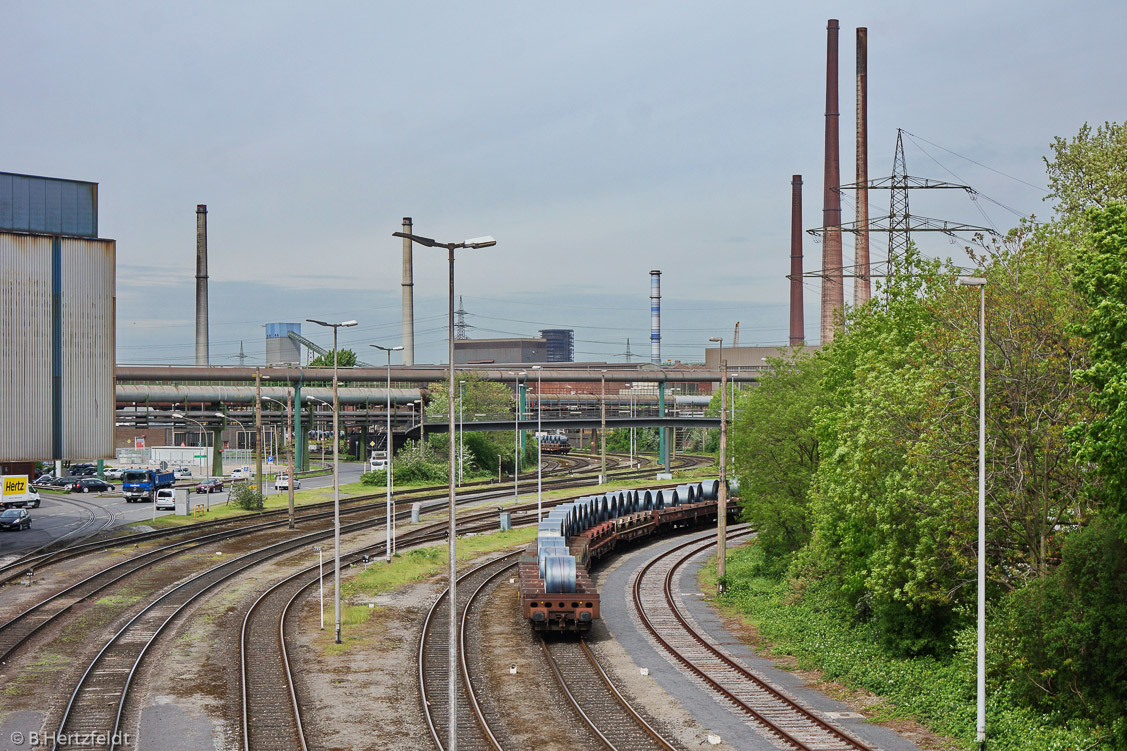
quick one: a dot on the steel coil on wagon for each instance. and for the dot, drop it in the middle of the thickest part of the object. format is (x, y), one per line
(559, 574)
(711, 490)
(687, 493)
(646, 500)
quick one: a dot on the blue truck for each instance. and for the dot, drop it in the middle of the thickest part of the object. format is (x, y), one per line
(143, 484)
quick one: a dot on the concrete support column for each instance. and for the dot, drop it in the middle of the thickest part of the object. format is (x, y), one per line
(216, 452)
(662, 446)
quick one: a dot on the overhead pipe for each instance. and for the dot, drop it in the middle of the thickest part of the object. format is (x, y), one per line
(418, 374)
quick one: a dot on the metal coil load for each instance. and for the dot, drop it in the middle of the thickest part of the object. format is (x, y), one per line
(687, 493)
(559, 574)
(646, 499)
(711, 489)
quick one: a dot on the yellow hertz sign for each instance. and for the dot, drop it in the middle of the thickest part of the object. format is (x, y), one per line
(15, 485)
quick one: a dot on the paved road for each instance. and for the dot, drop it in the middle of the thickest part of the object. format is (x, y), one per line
(82, 514)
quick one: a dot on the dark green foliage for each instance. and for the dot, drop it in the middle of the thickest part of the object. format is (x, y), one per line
(1101, 277)
(245, 497)
(346, 358)
(776, 452)
(1067, 632)
(645, 440)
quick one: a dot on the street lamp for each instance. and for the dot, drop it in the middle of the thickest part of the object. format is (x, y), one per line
(461, 432)
(422, 428)
(980, 282)
(722, 491)
(539, 446)
(336, 475)
(475, 243)
(516, 433)
(387, 545)
(203, 431)
(289, 464)
(603, 430)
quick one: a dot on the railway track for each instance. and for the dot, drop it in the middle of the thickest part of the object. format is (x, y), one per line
(475, 730)
(270, 707)
(774, 714)
(51, 555)
(16, 632)
(96, 705)
(593, 695)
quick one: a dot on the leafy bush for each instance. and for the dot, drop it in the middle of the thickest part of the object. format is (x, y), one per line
(1067, 632)
(245, 497)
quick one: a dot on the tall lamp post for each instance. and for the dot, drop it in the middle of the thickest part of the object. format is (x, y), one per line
(479, 242)
(603, 430)
(461, 431)
(203, 431)
(289, 462)
(980, 282)
(539, 446)
(516, 434)
(387, 545)
(722, 491)
(336, 474)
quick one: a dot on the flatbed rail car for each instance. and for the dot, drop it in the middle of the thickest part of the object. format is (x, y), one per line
(556, 591)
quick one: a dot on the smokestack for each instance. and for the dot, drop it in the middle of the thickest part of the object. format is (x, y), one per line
(861, 289)
(655, 317)
(408, 314)
(201, 285)
(833, 295)
(797, 325)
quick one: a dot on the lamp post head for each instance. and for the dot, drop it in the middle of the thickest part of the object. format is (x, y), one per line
(416, 238)
(972, 281)
(177, 414)
(480, 242)
(716, 339)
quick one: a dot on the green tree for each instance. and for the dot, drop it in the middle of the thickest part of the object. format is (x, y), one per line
(1090, 171)
(346, 358)
(776, 454)
(1101, 278)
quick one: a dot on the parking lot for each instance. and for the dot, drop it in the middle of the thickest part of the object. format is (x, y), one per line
(78, 515)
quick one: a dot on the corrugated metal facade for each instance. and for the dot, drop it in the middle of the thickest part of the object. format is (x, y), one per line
(56, 326)
(25, 335)
(48, 205)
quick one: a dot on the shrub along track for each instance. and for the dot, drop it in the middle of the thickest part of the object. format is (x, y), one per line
(776, 715)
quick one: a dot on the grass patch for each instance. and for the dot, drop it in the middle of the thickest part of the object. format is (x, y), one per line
(939, 693)
(118, 600)
(32, 678)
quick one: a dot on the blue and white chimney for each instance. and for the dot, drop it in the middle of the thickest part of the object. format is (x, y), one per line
(655, 317)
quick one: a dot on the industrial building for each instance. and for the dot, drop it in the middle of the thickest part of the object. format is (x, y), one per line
(500, 351)
(57, 397)
(751, 358)
(560, 344)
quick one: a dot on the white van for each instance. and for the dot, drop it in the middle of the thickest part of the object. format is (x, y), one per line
(166, 500)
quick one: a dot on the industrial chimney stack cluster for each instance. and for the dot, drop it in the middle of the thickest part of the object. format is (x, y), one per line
(833, 272)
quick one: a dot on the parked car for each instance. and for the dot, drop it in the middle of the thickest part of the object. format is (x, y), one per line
(44, 481)
(113, 473)
(165, 500)
(62, 482)
(238, 473)
(210, 486)
(181, 473)
(87, 484)
(282, 482)
(15, 518)
(84, 472)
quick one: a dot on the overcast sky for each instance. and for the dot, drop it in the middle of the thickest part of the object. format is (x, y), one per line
(595, 141)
